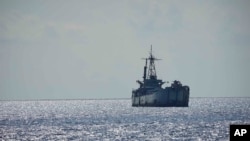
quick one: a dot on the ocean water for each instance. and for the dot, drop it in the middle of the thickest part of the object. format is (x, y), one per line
(204, 119)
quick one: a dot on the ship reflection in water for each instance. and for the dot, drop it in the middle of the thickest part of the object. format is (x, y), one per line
(151, 93)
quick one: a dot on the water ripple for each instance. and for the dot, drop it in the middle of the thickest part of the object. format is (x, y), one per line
(204, 119)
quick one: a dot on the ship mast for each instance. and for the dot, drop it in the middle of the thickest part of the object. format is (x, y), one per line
(151, 68)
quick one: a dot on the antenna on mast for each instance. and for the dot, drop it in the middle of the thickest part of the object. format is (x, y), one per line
(151, 50)
(151, 68)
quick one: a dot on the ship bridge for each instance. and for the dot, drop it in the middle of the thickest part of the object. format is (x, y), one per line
(149, 76)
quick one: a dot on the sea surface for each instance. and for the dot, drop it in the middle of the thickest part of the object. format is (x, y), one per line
(204, 119)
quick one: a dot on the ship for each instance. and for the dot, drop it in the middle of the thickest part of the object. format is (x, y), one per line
(150, 92)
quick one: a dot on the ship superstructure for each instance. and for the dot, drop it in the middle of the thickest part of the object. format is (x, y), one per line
(151, 93)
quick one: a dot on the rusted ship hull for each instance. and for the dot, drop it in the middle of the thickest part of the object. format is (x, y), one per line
(168, 97)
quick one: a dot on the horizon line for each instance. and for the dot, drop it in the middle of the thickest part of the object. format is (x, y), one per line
(102, 99)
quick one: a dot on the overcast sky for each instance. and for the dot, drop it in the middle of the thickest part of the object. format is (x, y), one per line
(93, 48)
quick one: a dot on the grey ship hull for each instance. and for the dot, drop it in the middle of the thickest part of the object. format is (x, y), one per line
(168, 97)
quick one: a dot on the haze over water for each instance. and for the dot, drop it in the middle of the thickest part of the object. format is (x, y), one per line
(204, 119)
(83, 49)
